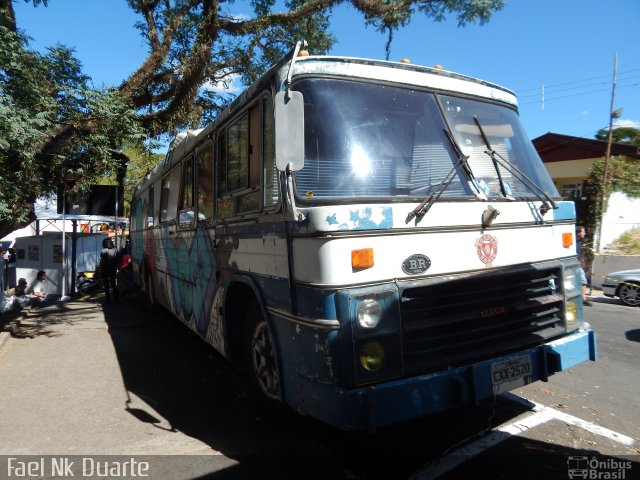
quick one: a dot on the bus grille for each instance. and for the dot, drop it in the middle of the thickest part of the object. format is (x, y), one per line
(469, 319)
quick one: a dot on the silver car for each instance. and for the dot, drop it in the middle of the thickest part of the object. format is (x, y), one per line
(625, 285)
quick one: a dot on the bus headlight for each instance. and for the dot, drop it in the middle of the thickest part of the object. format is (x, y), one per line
(572, 286)
(571, 314)
(369, 313)
(570, 282)
(372, 356)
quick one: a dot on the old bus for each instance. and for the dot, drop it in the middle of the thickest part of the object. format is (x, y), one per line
(376, 241)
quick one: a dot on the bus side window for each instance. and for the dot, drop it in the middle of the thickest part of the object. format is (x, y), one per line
(169, 191)
(186, 206)
(140, 223)
(205, 183)
(241, 152)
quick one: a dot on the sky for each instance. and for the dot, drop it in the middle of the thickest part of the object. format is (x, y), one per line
(564, 47)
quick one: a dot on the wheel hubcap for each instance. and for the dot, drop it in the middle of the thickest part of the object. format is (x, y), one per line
(630, 295)
(264, 361)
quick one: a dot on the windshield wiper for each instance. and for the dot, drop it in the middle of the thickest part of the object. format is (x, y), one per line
(492, 153)
(500, 160)
(424, 206)
(463, 159)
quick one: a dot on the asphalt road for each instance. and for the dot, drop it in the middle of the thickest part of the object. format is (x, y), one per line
(85, 380)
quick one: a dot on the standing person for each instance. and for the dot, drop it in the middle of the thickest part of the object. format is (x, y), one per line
(10, 268)
(124, 270)
(109, 269)
(581, 233)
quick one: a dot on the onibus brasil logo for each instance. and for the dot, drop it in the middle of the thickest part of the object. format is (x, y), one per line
(594, 468)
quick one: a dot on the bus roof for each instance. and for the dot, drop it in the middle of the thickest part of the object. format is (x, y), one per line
(402, 73)
(348, 67)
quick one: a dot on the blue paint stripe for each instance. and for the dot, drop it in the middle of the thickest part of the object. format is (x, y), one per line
(565, 211)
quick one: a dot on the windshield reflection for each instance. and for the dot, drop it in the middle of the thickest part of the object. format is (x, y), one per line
(367, 140)
(506, 137)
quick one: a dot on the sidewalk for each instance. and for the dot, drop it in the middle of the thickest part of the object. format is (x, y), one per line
(62, 389)
(82, 379)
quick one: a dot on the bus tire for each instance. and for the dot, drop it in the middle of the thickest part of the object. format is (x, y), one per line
(149, 291)
(260, 355)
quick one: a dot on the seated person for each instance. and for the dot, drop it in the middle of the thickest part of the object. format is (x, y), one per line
(15, 298)
(21, 288)
(37, 289)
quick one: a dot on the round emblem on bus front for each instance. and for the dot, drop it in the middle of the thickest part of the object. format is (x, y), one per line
(487, 248)
(415, 264)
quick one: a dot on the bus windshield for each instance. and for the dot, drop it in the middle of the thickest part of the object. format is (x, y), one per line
(485, 131)
(365, 140)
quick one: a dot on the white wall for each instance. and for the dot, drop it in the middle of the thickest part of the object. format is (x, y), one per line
(623, 213)
(44, 252)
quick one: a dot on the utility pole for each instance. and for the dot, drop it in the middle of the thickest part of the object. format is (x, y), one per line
(607, 156)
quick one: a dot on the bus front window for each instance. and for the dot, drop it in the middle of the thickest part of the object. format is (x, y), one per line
(481, 126)
(364, 140)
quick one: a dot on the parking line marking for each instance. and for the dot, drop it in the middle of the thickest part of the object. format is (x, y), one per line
(458, 457)
(578, 422)
(540, 414)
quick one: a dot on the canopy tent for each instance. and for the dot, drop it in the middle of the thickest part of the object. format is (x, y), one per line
(70, 226)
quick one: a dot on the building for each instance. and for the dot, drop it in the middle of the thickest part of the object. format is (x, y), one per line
(569, 161)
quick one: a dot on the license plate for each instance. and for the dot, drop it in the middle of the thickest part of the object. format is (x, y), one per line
(511, 374)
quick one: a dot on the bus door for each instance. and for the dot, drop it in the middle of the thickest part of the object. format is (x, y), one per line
(202, 251)
(165, 249)
(181, 271)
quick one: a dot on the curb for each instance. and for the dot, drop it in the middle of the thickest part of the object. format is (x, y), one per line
(7, 330)
(4, 336)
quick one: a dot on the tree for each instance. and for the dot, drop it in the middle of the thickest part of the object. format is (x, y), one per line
(74, 133)
(628, 135)
(623, 175)
(55, 129)
(140, 161)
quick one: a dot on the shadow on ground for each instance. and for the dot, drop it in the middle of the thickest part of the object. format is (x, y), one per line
(204, 397)
(198, 393)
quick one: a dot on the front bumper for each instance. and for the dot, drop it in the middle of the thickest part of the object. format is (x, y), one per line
(368, 408)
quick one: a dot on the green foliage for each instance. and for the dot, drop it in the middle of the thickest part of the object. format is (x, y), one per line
(628, 135)
(623, 175)
(209, 45)
(140, 162)
(27, 112)
(43, 96)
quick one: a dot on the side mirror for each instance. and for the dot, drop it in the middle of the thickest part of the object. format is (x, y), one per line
(289, 130)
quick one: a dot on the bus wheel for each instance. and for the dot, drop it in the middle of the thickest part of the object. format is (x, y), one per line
(150, 294)
(261, 355)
